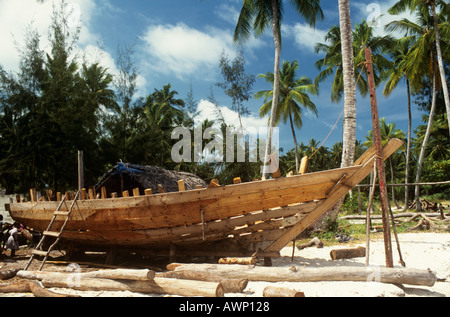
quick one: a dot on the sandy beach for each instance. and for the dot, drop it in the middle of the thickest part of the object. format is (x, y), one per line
(420, 251)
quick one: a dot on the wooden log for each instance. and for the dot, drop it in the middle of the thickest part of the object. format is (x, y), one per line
(115, 274)
(91, 193)
(126, 193)
(136, 192)
(58, 196)
(122, 274)
(20, 287)
(30, 287)
(148, 192)
(271, 291)
(338, 254)
(241, 261)
(228, 285)
(301, 274)
(237, 180)
(157, 286)
(39, 291)
(7, 274)
(313, 242)
(114, 195)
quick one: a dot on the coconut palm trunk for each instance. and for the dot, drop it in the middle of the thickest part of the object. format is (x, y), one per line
(408, 146)
(440, 62)
(424, 144)
(276, 83)
(349, 126)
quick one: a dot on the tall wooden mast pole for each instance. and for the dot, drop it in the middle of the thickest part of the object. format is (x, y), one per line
(379, 160)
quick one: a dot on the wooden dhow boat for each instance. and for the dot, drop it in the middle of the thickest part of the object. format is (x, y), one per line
(254, 218)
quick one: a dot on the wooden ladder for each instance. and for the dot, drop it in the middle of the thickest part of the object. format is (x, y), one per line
(54, 234)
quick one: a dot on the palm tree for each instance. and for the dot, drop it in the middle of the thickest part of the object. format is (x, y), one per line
(421, 64)
(399, 53)
(293, 95)
(363, 37)
(257, 15)
(401, 6)
(387, 132)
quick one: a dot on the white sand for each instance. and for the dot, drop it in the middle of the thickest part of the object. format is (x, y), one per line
(419, 250)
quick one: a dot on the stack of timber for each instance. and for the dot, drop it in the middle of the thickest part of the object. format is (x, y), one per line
(136, 281)
(256, 218)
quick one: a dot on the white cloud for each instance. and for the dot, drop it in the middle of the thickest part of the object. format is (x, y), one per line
(181, 50)
(17, 16)
(304, 36)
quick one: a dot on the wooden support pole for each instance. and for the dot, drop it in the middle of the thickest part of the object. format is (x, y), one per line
(379, 160)
(125, 193)
(58, 196)
(148, 192)
(91, 193)
(114, 195)
(80, 170)
(161, 189)
(83, 194)
(136, 192)
(181, 186)
(303, 165)
(33, 195)
(237, 180)
(103, 192)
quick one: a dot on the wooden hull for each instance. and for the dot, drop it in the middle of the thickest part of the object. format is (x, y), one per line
(234, 219)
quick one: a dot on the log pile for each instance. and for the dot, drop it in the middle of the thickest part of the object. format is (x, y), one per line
(139, 281)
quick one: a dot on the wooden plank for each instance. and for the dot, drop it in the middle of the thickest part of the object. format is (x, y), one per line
(338, 193)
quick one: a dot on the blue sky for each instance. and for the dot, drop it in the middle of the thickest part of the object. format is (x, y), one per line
(180, 41)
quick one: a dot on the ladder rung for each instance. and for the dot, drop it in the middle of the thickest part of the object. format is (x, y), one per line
(39, 252)
(61, 213)
(52, 234)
